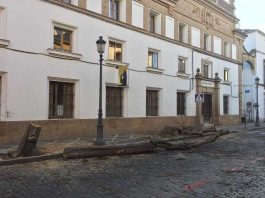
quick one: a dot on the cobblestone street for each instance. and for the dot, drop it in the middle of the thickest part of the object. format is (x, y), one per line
(233, 166)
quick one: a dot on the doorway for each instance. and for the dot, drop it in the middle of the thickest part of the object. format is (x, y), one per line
(207, 108)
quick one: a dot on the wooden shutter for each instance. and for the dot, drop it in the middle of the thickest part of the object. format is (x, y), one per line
(151, 103)
(114, 100)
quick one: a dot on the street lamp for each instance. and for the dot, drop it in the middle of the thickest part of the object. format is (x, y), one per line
(257, 104)
(101, 49)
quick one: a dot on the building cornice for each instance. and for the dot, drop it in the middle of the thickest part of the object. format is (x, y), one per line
(133, 28)
(218, 10)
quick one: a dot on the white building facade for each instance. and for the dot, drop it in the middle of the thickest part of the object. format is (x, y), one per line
(254, 44)
(49, 70)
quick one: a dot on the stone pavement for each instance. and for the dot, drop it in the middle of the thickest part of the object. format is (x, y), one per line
(233, 166)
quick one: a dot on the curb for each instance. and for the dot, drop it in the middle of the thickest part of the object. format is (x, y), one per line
(30, 159)
(256, 128)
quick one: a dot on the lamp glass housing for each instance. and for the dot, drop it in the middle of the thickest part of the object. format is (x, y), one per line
(101, 45)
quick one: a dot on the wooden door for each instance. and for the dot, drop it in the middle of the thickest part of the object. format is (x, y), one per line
(207, 108)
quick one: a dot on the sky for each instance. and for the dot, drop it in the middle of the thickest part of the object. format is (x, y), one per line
(251, 14)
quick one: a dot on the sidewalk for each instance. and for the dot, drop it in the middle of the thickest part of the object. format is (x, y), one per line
(250, 126)
(124, 144)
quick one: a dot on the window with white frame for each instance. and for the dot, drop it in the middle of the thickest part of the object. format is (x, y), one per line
(153, 59)
(195, 37)
(137, 14)
(225, 105)
(181, 103)
(170, 27)
(234, 51)
(115, 51)
(207, 42)
(206, 69)
(182, 65)
(152, 102)
(217, 45)
(61, 99)
(227, 49)
(226, 75)
(62, 39)
(114, 9)
(154, 22)
(2, 22)
(183, 32)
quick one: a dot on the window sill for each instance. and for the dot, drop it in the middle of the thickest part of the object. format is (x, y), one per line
(63, 54)
(116, 85)
(227, 83)
(183, 75)
(154, 70)
(4, 43)
(116, 63)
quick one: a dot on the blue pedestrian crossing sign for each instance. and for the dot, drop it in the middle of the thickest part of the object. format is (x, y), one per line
(199, 98)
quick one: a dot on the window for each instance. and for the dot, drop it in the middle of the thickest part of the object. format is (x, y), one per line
(114, 9)
(153, 59)
(226, 72)
(205, 71)
(217, 45)
(183, 33)
(137, 14)
(115, 51)
(152, 102)
(62, 39)
(114, 100)
(181, 103)
(227, 49)
(234, 51)
(207, 42)
(154, 22)
(195, 37)
(226, 104)
(182, 65)
(61, 100)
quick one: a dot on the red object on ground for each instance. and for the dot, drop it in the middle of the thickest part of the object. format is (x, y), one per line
(196, 185)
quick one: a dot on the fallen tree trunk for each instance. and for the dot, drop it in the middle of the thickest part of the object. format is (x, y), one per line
(108, 150)
(188, 143)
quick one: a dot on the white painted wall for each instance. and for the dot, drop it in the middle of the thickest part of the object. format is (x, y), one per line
(255, 40)
(27, 75)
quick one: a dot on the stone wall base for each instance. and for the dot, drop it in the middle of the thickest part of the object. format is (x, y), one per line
(229, 120)
(11, 132)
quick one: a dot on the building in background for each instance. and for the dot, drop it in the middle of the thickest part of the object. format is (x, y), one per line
(254, 44)
(169, 49)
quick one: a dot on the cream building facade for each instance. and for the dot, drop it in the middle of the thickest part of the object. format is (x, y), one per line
(169, 49)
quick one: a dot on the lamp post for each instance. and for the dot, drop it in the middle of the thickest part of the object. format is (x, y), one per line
(257, 104)
(101, 49)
